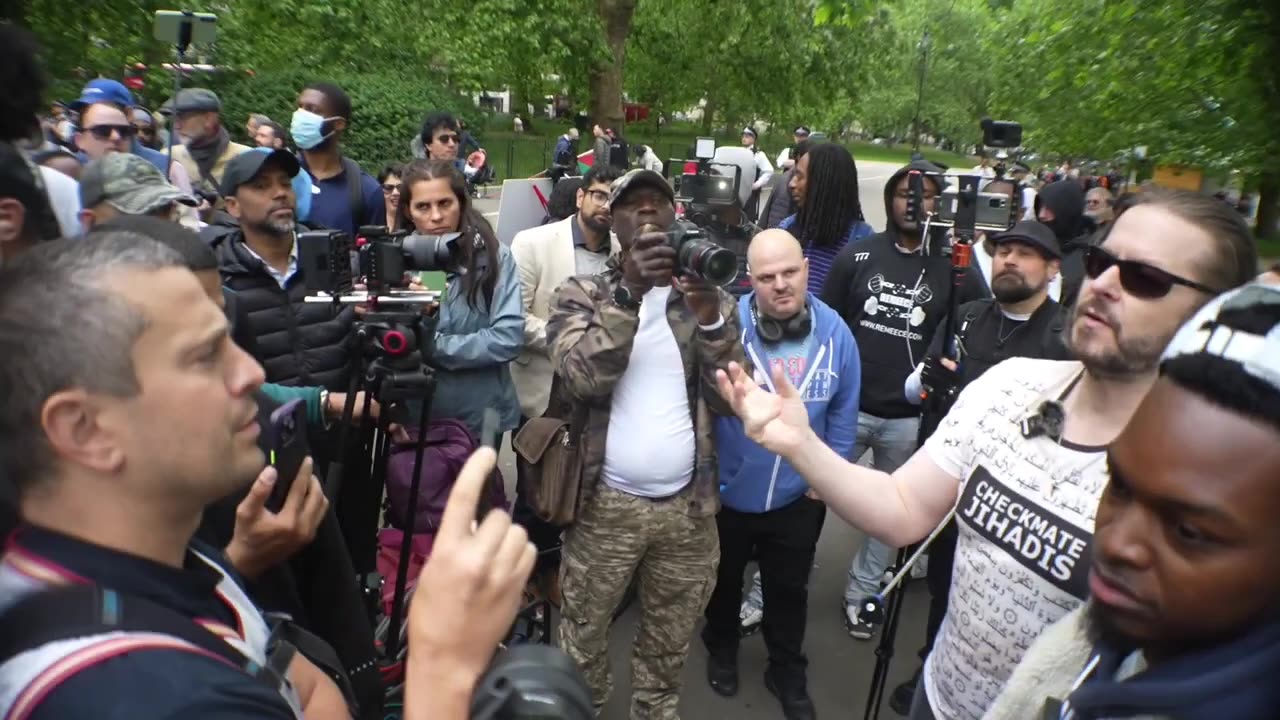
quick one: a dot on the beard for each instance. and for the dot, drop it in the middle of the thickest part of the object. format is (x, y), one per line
(1009, 287)
(1132, 354)
(276, 225)
(596, 225)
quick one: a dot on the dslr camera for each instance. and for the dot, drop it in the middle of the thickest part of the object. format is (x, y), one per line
(704, 193)
(333, 260)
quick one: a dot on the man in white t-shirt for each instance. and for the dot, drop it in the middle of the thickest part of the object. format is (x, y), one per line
(1020, 456)
(635, 350)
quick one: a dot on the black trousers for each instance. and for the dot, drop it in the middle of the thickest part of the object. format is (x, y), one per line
(544, 536)
(783, 541)
(942, 558)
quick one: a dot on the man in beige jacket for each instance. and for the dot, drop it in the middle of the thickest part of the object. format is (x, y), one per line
(547, 256)
(208, 147)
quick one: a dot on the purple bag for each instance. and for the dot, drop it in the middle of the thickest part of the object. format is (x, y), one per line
(449, 444)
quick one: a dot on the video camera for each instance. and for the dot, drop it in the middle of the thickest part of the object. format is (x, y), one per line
(962, 205)
(381, 257)
(707, 186)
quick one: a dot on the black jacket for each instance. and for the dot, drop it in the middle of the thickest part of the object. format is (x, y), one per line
(986, 340)
(298, 343)
(1072, 228)
(893, 301)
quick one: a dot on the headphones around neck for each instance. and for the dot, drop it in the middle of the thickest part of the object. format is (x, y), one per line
(772, 330)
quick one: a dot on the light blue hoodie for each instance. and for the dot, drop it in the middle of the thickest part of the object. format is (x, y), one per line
(755, 480)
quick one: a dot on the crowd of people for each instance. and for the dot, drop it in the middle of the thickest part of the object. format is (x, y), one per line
(1103, 471)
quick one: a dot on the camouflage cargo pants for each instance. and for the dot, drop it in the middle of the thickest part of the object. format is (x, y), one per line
(618, 535)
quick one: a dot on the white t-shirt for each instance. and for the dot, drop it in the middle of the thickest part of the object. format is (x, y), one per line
(649, 450)
(1025, 516)
(64, 198)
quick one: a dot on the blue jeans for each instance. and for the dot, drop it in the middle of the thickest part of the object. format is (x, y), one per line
(892, 443)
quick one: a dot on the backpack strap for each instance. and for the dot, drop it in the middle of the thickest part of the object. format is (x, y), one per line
(355, 191)
(77, 611)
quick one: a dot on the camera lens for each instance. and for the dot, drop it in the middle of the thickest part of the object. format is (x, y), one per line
(708, 261)
(428, 252)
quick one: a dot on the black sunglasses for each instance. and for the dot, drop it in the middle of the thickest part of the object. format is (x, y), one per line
(103, 132)
(448, 139)
(1137, 278)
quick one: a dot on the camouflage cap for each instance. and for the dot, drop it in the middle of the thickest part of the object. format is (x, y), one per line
(128, 183)
(638, 178)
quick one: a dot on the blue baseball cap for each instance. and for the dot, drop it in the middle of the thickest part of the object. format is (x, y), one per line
(103, 90)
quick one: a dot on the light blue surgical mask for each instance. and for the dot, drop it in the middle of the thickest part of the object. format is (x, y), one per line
(307, 129)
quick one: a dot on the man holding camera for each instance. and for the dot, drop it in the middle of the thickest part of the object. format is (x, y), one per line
(767, 513)
(639, 345)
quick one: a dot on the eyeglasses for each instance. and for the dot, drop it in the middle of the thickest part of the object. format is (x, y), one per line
(103, 132)
(599, 196)
(448, 139)
(390, 188)
(1137, 278)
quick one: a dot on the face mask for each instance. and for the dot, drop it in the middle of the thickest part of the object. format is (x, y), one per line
(307, 129)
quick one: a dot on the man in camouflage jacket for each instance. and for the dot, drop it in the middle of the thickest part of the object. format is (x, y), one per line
(640, 348)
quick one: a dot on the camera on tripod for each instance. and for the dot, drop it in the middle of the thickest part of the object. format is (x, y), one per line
(381, 257)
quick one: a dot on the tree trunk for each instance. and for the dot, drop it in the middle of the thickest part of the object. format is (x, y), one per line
(605, 76)
(1268, 205)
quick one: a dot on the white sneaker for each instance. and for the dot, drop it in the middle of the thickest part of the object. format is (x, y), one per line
(750, 616)
(858, 628)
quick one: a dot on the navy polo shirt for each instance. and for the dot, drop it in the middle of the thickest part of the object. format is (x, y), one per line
(152, 683)
(331, 205)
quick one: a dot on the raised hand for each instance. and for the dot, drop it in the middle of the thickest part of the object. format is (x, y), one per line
(778, 421)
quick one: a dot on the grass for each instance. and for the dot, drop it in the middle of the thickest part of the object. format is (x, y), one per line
(526, 154)
(1269, 249)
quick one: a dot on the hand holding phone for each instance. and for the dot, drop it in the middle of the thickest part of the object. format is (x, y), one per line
(286, 448)
(263, 538)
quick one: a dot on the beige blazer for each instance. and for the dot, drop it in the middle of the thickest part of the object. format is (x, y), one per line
(544, 255)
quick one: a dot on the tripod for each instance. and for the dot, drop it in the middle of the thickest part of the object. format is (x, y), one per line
(387, 361)
(874, 608)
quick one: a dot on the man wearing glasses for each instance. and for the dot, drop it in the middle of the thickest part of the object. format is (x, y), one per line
(106, 126)
(1021, 456)
(440, 139)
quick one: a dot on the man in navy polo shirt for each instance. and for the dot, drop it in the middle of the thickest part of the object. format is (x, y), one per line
(323, 115)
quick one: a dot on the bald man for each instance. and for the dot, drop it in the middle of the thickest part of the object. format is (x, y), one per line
(767, 510)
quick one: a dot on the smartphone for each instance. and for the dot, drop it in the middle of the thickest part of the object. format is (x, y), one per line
(286, 448)
(170, 24)
(994, 211)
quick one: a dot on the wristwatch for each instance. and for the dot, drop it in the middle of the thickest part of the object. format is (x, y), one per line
(623, 297)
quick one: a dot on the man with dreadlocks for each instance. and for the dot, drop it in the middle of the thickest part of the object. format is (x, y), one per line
(893, 295)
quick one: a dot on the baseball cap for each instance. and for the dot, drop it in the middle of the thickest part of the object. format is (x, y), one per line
(1223, 328)
(639, 178)
(1033, 233)
(102, 90)
(128, 183)
(196, 100)
(246, 166)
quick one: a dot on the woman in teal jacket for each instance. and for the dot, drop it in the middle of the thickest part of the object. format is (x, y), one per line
(480, 327)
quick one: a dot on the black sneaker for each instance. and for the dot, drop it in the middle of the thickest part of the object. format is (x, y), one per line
(858, 628)
(796, 703)
(900, 699)
(722, 675)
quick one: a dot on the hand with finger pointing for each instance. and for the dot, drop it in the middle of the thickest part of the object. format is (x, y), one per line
(466, 598)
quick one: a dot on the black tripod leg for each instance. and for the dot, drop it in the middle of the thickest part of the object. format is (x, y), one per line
(333, 478)
(888, 636)
(402, 569)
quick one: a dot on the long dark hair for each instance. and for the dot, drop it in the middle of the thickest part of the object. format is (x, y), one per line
(480, 269)
(831, 201)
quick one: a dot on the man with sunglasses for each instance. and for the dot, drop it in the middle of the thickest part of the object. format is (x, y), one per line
(1021, 456)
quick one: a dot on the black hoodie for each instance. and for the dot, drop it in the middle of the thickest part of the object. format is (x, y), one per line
(893, 301)
(1072, 228)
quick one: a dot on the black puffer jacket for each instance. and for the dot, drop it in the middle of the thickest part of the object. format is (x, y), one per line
(298, 343)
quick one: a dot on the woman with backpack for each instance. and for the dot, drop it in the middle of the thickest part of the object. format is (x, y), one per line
(480, 319)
